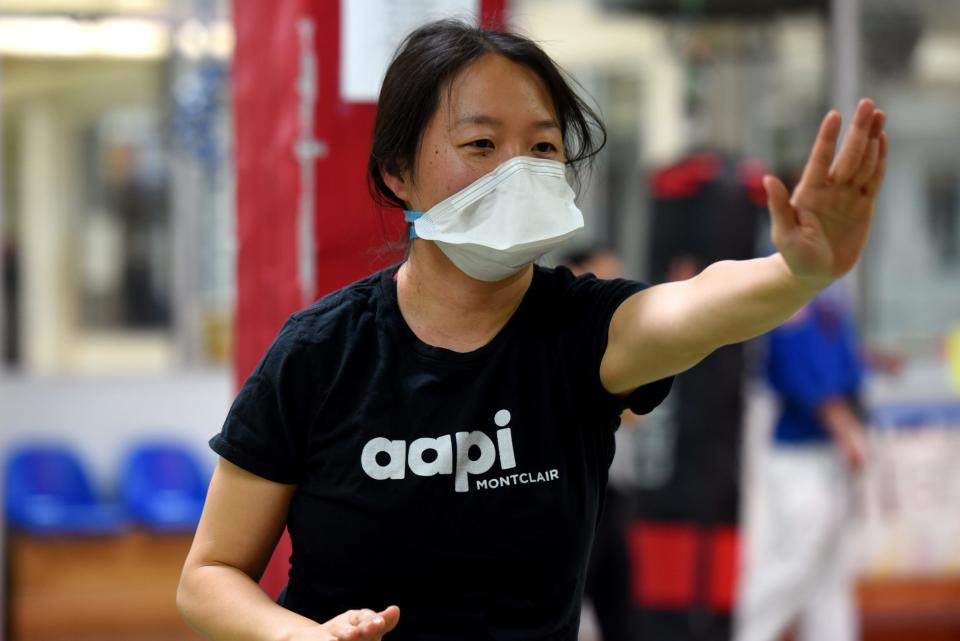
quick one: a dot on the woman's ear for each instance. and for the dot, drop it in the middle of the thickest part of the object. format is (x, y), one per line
(398, 183)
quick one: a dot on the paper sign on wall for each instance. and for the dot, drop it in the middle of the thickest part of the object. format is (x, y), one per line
(370, 31)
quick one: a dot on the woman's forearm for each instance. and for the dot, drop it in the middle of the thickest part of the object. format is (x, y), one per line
(733, 301)
(671, 327)
(224, 603)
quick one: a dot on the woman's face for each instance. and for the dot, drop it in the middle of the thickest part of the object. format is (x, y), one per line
(494, 110)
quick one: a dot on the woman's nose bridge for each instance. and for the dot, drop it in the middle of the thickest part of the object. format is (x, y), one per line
(512, 150)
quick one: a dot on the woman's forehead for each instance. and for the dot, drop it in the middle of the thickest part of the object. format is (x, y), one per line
(479, 118)
(496, 91)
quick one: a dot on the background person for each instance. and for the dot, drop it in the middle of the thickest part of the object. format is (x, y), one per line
(805, 563)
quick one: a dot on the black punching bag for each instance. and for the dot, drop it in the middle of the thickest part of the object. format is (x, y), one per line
(683, 537)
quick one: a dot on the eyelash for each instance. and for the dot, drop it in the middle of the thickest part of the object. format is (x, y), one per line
(476, 143)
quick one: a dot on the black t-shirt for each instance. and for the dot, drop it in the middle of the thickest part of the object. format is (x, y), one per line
(463, 487)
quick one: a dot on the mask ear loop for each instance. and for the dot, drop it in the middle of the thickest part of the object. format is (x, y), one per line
(411, 217)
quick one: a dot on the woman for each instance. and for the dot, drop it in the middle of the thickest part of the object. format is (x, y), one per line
(436, 436)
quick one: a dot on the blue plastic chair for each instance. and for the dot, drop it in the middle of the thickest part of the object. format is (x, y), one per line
(163, 487)
(48, 492)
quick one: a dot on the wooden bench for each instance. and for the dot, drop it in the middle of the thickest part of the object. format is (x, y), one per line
(68, 589)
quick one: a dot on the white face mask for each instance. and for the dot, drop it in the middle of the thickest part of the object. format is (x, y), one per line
(503, 221)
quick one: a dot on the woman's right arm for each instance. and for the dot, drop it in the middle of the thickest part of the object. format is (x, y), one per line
(218, 594)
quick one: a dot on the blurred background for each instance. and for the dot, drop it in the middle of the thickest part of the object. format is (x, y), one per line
(177, 176)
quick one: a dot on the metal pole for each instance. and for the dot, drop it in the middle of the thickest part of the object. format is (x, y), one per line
(4, 429)
(846, 21)
(3, 275)
(307, 149)
(845, 37)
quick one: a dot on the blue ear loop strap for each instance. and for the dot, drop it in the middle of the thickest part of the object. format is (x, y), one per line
(412, 216)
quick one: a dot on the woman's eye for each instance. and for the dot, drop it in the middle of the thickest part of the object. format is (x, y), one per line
(544, 148)
(483, 143)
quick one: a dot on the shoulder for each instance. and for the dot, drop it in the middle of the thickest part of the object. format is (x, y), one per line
(561, 285)
(581, 307)
(334, 324)
(341, 310)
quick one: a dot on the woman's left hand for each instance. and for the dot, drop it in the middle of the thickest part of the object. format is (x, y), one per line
(363, 625)
(822, 228)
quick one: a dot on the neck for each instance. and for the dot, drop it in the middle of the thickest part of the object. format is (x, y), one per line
(446, 308)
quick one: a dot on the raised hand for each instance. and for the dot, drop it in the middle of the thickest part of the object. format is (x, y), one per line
(822, 227)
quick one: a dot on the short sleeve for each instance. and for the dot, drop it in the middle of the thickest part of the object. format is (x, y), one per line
(591, 305)
(646, 398)
(263, 433)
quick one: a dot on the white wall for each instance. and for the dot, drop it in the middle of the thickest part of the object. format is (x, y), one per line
(101, 416)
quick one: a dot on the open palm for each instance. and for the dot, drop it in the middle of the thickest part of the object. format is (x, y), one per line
(352, 625)
(822, 227)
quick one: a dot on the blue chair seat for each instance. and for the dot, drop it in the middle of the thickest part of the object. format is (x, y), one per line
(54, 518)
(172, 510)
(48, 493)
(163, 487)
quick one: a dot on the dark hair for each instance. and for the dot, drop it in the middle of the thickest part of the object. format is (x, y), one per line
(426, 61)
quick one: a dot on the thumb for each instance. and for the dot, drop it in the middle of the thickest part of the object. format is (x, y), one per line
(391, 617)
(782, 215)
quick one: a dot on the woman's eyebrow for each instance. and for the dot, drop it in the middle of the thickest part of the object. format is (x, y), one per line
(484, 119)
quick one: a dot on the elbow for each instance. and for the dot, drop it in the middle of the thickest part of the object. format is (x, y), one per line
(185, 601)
(692, 346)
(697, 356)
(183, 597)
(689, 360)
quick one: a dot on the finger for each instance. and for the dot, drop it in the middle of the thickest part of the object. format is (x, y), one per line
(348, 632)
(371, 625)
(391, 616)
(869, 165)
(363, 615)
(879, 121)
(821, 156)
(872, 155)
(874, 184)
(855, 143)
(372, 630)
(778, 200)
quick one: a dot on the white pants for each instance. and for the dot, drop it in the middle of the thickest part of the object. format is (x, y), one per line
(803, 563)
